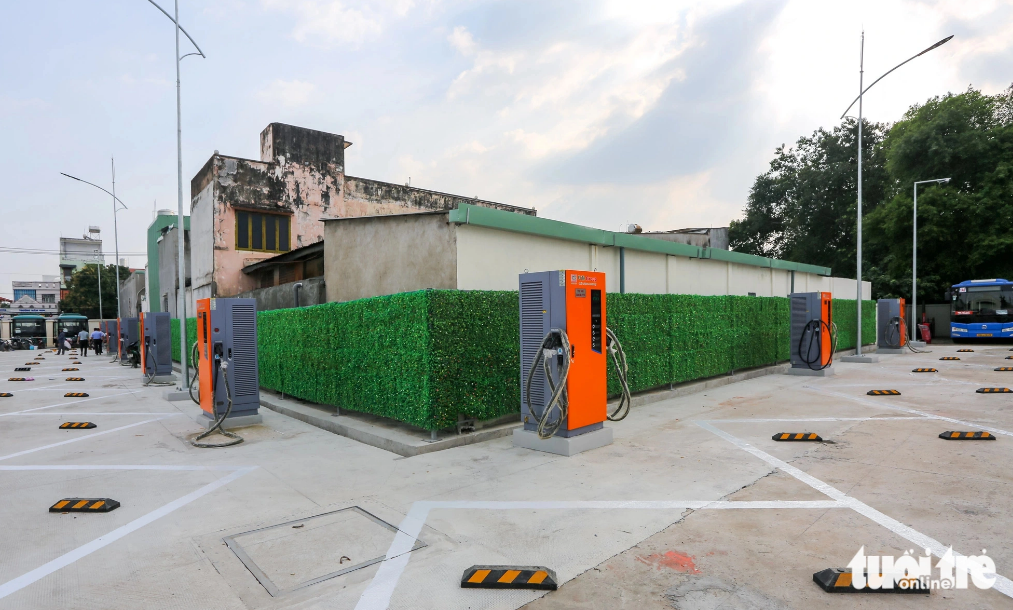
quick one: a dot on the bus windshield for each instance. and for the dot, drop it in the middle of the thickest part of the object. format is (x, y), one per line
(978, 302)
(29, 328)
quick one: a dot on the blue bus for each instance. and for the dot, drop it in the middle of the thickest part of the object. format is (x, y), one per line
(981, 308)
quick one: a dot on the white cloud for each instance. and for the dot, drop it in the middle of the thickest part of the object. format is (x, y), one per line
(322, 23)
(564, 95)
(288, 93)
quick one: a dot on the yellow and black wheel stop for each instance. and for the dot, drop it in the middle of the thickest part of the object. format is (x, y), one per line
(967, 436)
(509, 577)
(797, 436)
(837, 580)
(84, 505)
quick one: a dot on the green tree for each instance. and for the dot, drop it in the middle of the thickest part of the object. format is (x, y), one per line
(803, 208)
(82, 291)
(964, 226)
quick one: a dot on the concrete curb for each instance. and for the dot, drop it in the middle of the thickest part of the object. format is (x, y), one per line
(388, 439)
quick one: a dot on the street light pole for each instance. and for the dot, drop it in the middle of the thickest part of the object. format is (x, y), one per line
(914, 255)
(861, 94)
(858, 269)
(116, 200)
(99, 267)
(116, 242)
(181, 294)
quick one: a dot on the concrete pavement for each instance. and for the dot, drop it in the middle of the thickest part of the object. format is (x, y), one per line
(693, 506)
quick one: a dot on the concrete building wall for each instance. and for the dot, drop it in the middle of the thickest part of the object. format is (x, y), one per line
(384, 255)
(301, 175)
(132, 291)
(365, 257)
(163, 219)
(313, 292)
(168, 253)
(486, 259)
(364, 197)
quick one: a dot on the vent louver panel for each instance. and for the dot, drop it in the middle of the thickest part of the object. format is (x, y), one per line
(244, 344)
(532, 333)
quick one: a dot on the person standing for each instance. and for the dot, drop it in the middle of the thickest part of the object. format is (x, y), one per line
(82, 341)
(96, 341)
(61, 342)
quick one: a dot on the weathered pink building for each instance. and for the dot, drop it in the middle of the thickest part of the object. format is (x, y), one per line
(244, 211)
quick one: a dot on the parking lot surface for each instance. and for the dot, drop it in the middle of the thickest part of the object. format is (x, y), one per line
(694, 506)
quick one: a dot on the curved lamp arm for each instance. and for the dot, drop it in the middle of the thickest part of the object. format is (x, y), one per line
(98, 187)
(938, 44)
(181, 30)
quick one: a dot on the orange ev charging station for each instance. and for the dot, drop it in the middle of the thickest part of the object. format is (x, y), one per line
(813, 334)
(565, 346)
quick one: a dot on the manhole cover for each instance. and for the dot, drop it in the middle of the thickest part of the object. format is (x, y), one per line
(297, 554)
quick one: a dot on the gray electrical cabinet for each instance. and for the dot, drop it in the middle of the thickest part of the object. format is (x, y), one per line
(805, 307)
(889, 324)
(542, 307)
(157, 344)
(234, 325)
(129, 333)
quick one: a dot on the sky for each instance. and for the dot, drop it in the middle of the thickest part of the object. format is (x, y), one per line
(600, 112)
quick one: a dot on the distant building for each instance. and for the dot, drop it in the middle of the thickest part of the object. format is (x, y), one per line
(132, 291)
(76, 253)
(36, 297)
(714, 237)
(471, 248)
(165, 221)
(167, 282)
(245, 212)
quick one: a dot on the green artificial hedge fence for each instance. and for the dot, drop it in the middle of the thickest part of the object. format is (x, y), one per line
(191, 338)
(427, 358)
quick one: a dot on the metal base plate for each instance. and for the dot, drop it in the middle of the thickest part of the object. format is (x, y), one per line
(916, 343)
(808, 372)
(863, 359)
(239, 421)
(174, 395)
(563, 446)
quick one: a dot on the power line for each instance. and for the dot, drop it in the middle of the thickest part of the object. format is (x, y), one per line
(15, 250)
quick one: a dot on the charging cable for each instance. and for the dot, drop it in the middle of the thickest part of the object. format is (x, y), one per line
(554, 344)
(149, 355)
(223, 369)
(815, 330)
(615, 349)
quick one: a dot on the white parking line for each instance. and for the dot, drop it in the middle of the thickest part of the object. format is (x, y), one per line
(66, 559)
(883, 405)
(80, 438)
(119, 467)
(377, 595)
(70, 402)
(1002, 584)
(76, 413)
(786, 419)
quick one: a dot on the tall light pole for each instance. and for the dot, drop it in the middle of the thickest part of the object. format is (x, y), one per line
(914, 257)
(116, 238)
(859, 99)
(181, 293)
(116, 243)
(98, 267)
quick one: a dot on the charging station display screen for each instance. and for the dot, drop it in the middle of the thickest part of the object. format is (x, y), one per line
(596, 320)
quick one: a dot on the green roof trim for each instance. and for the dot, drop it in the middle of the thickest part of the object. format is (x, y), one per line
(543, 227)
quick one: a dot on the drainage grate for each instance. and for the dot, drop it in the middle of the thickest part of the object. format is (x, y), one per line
(296, 554)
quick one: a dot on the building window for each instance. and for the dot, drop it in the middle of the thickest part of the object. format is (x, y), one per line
(262, 232)
(50, 298)
(24, 292)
